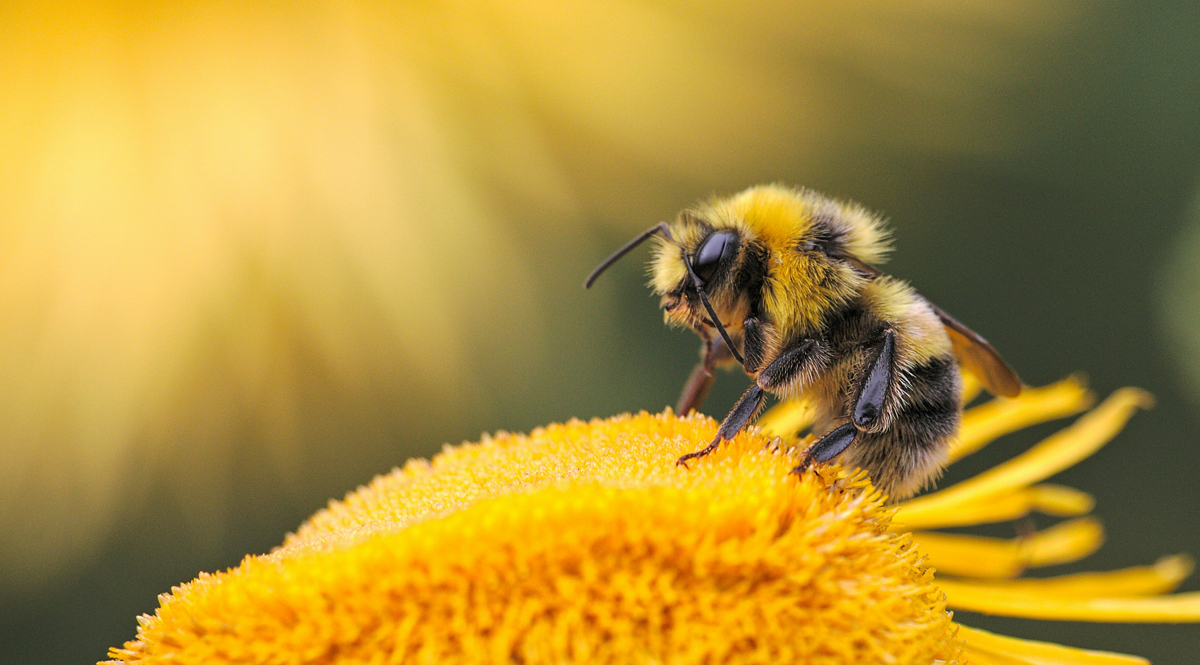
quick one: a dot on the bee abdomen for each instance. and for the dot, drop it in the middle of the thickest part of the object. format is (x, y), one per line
(912, 451)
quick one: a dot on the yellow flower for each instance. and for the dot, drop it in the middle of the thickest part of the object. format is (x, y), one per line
(583, 542)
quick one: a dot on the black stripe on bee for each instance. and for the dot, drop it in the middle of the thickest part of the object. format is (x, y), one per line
(846, 329)
(752, 274)
(825, 234)
(933, 395)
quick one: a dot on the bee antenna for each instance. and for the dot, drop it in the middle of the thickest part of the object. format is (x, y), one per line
(660, 227)
(712, 313)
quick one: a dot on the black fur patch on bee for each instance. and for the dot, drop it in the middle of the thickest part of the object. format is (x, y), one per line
(827, 234)
(934, 388)
(849, 329)
(821, 237)
(752, 275)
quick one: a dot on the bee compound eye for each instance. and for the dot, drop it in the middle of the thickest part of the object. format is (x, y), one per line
(712, 251)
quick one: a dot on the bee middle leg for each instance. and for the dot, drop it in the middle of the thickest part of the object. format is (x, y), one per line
(782, 368)
(873, 393)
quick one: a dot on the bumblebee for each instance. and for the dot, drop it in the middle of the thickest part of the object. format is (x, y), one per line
(782, 281)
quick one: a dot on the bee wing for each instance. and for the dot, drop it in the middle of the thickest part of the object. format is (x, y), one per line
(972, 351)
(978, 357)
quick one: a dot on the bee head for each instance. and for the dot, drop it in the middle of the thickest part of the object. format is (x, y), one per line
(711, 252)
(701, 257)
(784, 255)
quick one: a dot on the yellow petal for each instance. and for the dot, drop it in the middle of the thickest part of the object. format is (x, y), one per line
(986, 658)
(971, 387)
(1179, 608)
(787, 418)
(1049, 499)
(1060, 451)
(1034, 405)
(1060, 500)
(985, 423)
(1163, 577)
(985, 648)
(977, 556)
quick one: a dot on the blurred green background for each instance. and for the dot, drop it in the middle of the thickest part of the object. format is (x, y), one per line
(253, 254)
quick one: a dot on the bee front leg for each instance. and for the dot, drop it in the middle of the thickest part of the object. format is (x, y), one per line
(717, 353)
(781, 370)
(695, 390)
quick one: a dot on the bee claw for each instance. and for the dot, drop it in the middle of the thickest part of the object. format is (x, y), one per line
(682, 461)
(805, 463)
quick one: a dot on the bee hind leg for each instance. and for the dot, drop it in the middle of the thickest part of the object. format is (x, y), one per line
(874, 392)
(743, 412)
(867, 410)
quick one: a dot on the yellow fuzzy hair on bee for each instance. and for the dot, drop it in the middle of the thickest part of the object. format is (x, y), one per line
(783, 214)
(782, 219)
